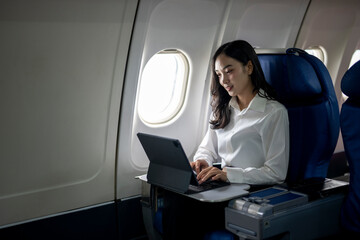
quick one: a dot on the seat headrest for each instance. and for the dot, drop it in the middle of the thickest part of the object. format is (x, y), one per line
(293, 77)
(350, 83)
(302, 84)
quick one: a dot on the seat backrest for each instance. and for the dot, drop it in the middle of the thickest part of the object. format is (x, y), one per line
(350, 129)
(304, 86)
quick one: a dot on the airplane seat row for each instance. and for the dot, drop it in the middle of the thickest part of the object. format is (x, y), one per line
(350, 129)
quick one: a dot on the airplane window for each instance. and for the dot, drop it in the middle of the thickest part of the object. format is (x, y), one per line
(318, 52)
(355, 57)
(162, 87)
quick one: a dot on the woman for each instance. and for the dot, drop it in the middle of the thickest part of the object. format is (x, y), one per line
(249, 129)
(248, 132)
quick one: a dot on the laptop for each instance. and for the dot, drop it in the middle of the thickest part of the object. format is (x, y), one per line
(169, 167)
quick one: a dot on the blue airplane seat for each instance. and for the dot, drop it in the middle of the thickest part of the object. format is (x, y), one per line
(303, 84)
(350, 129)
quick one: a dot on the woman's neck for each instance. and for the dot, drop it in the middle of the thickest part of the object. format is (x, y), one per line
(244, 100)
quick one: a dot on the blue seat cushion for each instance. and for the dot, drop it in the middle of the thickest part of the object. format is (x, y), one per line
(350, 83)
(350, 128)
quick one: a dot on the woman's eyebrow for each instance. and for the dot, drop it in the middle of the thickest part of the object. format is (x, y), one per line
(229, 65)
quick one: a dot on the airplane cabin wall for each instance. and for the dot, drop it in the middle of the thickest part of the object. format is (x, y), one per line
(62, 66)
(192, 27)
(265, 24)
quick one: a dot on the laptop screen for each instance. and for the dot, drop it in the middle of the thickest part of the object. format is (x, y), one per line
(169, 166)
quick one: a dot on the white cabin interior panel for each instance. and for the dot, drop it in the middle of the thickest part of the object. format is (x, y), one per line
(62, 66)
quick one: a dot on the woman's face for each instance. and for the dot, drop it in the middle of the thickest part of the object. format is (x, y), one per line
(233, 75)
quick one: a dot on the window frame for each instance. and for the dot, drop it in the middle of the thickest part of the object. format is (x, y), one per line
(153, 121)
(322, 50)
(355, 57)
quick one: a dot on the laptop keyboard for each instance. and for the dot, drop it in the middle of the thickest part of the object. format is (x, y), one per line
(206, 186)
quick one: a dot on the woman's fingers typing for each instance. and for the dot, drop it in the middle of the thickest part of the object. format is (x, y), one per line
(211, 173)
(199, 165)
(205, 173)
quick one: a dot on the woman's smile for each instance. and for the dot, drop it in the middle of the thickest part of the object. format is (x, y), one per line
(228, 88)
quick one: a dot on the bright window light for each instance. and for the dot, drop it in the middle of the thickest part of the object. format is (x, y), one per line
(318, 52)
(162, 87)
(355, 57)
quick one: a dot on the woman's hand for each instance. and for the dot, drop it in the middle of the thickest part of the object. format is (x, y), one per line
(199, 165)
(212, 173)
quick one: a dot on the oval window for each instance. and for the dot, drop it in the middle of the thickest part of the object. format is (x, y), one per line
(318, 52)
(355, 58)
(162, 86)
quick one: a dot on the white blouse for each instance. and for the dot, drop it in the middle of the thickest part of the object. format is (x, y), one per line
(254, 146)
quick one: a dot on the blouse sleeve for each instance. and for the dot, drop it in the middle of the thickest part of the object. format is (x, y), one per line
(275, 139)
(208, 148)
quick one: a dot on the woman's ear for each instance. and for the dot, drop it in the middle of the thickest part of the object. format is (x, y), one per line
(249, 67)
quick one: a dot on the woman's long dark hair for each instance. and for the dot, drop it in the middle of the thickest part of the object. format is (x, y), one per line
(243, 52)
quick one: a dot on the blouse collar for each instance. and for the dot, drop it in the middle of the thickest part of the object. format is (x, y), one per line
(257, 103)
